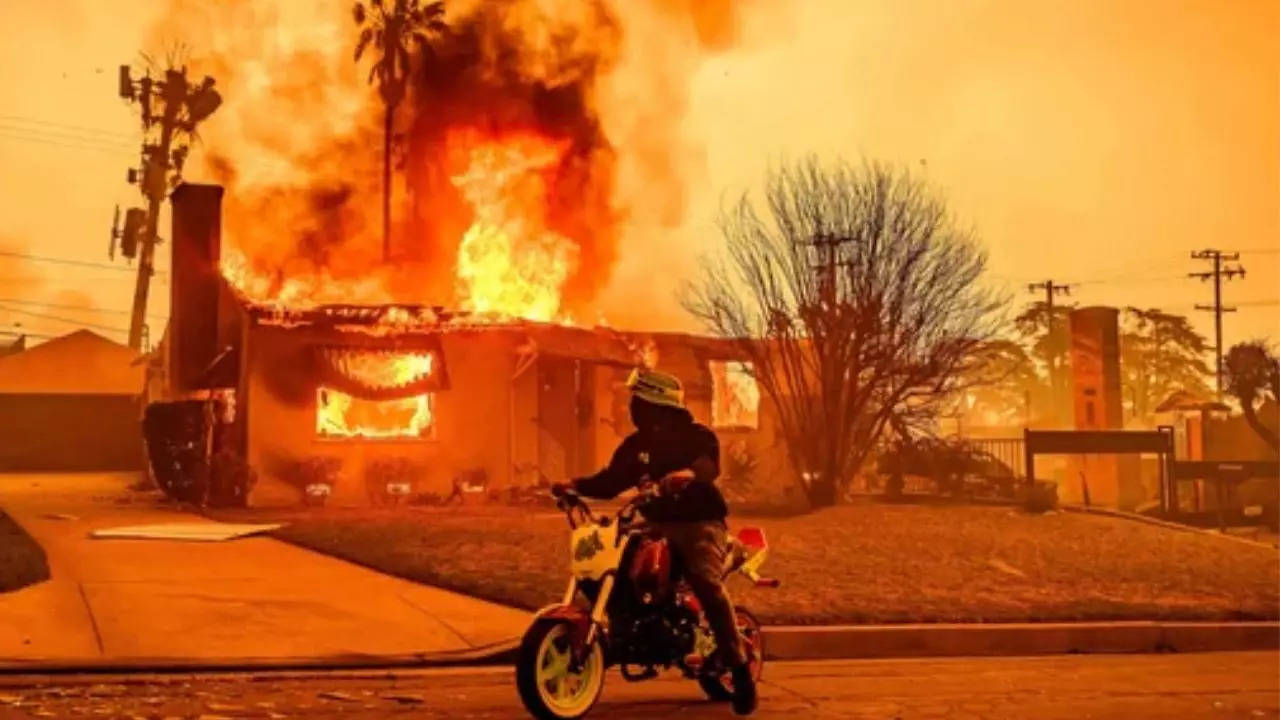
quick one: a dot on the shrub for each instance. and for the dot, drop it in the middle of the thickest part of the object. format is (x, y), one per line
(230, 479)
(1040, 497)
(315, 477)
(388, 480)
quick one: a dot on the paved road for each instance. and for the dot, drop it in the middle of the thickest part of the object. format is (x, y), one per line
(250, 598)
(1070, 687)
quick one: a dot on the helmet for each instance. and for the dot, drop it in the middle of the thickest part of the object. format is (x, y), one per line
(657, 388)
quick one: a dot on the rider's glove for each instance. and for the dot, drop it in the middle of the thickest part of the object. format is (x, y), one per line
(674, 484)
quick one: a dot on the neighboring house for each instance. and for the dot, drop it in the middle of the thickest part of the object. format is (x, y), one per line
(71, 404)
(465, 399)
(13, 347)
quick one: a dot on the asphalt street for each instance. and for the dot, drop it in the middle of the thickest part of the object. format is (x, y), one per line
(1074, 687)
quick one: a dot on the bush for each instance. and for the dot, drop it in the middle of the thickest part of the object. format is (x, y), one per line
(314, 477)
(1040, 497)
(389, 480)
(738, 470)
(230, 479)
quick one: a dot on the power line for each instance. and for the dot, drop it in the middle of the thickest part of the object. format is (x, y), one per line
(65, 135)
(26, 333)
(82, 308)
(68, 261)
(44, 316)
(51, 123)
(5, 135)
(45, 279)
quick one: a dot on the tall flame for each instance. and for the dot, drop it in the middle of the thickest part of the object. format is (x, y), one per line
(526, 138)
(509, 262)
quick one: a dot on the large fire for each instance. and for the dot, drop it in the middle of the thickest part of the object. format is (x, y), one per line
(526, 139)
(509, 262)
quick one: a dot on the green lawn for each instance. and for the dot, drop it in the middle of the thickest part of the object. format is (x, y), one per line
(852, 564)
(22, 562)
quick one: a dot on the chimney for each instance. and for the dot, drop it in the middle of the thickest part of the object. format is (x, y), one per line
(194, 283)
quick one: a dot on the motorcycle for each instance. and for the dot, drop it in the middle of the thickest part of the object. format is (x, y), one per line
(626, 605)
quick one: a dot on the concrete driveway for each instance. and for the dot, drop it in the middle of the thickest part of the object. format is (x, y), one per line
(249, 599)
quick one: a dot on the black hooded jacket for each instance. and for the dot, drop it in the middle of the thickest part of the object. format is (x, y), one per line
(653, 456)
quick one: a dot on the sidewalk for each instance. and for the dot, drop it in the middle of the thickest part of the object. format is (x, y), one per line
(240, 601)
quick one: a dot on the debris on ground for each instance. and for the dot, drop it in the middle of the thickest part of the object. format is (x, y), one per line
(194, 531)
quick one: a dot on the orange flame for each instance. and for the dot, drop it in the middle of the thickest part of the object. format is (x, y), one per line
(510, 263)
(341, 415)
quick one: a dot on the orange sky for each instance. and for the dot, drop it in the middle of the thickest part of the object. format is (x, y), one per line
(1096, 142)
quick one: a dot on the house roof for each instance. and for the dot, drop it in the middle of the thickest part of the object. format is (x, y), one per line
(1184, 400)
(14, 346)
(81, 362)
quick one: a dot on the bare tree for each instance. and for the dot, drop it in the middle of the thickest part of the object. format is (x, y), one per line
(1253, 377)
(856, 299)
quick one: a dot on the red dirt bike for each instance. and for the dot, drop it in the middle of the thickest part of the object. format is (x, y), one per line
(626, 605)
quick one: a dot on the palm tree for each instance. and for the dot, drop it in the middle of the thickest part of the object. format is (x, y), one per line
(391, 27)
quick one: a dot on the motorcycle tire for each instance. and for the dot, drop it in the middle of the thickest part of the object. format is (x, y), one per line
(549, 688)
(719, 687)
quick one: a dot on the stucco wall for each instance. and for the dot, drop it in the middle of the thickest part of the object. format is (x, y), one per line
(472, 417)
(773, 473)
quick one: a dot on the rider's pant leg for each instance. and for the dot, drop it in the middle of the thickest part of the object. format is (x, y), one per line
(701, 547)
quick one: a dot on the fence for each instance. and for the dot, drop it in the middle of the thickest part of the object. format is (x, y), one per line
(1009, 451)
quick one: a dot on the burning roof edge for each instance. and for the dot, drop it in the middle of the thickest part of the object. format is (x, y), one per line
(600, 343)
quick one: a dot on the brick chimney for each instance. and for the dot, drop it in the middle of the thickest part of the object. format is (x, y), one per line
(194, 283)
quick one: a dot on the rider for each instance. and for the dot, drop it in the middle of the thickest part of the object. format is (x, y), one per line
(690, 511)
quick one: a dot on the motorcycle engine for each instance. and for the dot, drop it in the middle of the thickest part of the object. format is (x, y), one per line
(659, 637)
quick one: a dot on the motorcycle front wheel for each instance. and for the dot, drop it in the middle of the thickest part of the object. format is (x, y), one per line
(720, 687)
(550, 686)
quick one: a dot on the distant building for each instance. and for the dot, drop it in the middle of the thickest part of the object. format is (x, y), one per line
(12, 347)
(71, 404)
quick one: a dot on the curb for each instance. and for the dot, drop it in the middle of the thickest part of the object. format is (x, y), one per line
(1167, 524)
(500, 653)
(794, 642)
(950, 640)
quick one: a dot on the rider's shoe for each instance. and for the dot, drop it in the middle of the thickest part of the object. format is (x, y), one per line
(744, 690)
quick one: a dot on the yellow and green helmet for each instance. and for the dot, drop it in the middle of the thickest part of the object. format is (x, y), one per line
(656, 387)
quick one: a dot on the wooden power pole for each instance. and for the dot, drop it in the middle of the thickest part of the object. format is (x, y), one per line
(182, 106)
(1057, 367)
(1216, 274)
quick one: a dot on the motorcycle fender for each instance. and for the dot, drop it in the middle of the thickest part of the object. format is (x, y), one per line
(578, 617)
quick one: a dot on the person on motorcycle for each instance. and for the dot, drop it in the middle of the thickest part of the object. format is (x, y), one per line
(669, 448)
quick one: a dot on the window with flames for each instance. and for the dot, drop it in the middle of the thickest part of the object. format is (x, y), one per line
(372, 395)
(735, 397)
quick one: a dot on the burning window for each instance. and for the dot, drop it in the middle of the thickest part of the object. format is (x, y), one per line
(372, 394)
(735, 397)
(341, 415)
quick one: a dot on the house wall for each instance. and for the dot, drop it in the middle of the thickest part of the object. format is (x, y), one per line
(64, 432)
(689, 361)
(473, 417)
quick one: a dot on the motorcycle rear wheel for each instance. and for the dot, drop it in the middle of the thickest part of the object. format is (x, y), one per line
(720, 687)
(549, 687)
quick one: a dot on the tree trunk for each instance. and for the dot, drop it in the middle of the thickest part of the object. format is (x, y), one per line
(386, 182)
(821, 492)
(1268, 435)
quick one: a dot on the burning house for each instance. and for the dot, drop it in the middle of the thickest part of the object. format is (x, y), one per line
(361, 401)
(428, 312)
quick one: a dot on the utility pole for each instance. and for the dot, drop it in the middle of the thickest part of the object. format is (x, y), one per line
(183, 106)
(1217, 273)
(1050, 290)
(1056, 366)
